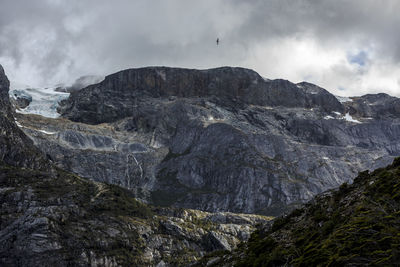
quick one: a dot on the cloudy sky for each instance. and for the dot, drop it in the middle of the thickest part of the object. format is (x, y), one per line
(348, 47)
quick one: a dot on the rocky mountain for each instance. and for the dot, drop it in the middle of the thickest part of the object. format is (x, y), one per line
(355, 225)
(378, 106)
(218, 140)
(222, 139)
(15, 147)
(231, 88)
(50, 217)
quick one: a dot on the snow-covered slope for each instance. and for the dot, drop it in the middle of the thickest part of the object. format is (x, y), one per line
(343, 99)
(44, 100)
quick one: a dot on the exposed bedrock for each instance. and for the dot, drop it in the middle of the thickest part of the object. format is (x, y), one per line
(222, 139)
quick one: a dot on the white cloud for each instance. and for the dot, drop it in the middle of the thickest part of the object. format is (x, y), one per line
(304, 59)
(49, 41)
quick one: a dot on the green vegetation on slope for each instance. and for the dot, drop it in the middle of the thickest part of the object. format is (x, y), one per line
(78, 216)
(357, 224)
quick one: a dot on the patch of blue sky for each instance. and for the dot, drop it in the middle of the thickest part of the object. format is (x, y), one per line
(359, 58)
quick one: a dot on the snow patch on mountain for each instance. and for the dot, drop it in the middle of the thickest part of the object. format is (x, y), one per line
(44, 100)
(343, 99)
(349, 118)
(46, 132)
(328, 117)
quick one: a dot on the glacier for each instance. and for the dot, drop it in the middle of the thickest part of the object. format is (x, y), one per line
(44, 100)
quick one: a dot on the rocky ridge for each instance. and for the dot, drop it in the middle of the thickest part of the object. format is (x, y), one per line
(119, 94)
(355, 225)
(15, 147)
(222, 139)
(262, 159)
(51, 217)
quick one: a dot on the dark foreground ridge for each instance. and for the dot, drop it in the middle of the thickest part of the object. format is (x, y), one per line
(356, 225)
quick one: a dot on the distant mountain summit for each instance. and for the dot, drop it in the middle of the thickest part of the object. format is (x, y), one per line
(228, 86)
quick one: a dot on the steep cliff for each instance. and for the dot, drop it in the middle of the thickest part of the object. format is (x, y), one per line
(16, 148)
(116, 96)
(231, 142)
(50, 217)
(222, 139)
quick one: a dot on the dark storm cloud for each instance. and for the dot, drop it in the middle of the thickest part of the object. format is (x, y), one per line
(46, 41)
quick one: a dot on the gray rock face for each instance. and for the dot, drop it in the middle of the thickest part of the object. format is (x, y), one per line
(378, 106)
(5, 106)
(50, 217)
(217, 140)
(16, 148)
(229, 87)
(55, 219)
